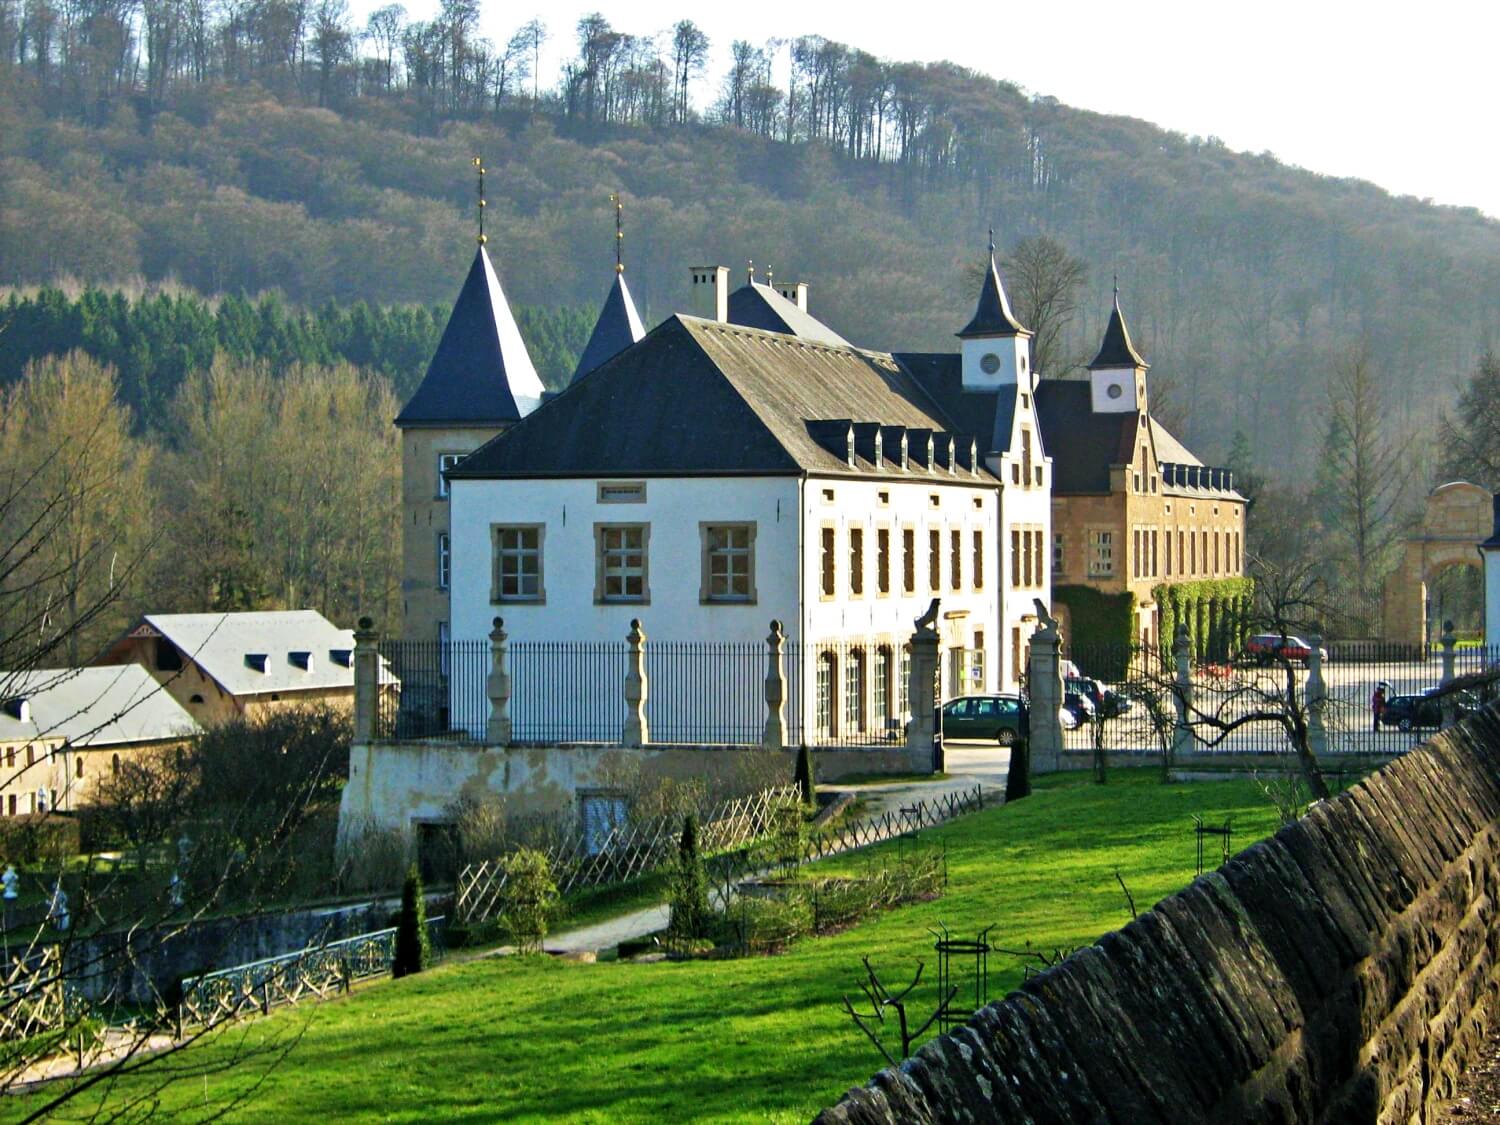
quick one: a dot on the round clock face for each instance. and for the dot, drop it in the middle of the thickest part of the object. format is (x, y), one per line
(1115, 390)
(989, 363)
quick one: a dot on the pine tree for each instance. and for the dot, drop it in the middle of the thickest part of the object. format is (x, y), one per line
(413, 947)
(806, 778)
(690, 909)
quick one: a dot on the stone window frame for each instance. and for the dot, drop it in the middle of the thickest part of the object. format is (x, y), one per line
(452, 457)
(1059, 553)
(644, 527)
(828, 561)
(883, 586)
(855, 538)
(444, 559)
(976, 559)
(706, 596)
(496, 596)
(629, 492)
(934, 559)
(1095, 540)
(956, 560)
(909, 559)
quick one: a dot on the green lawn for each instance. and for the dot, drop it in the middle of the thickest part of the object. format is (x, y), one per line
(754, 1039)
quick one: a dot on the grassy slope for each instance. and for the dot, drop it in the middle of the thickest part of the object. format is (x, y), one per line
(762, 1038)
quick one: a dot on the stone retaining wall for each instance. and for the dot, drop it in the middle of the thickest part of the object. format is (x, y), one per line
(1340, 971)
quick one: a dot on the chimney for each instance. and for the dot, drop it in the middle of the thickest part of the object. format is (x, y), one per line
(795, 292)
(710, 297)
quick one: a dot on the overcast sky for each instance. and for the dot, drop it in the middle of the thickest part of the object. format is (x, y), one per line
(1401, 96)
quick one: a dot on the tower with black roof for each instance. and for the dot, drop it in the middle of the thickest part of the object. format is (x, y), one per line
(1118, 373)
(481, 380)
(619, 325)
(996, 346)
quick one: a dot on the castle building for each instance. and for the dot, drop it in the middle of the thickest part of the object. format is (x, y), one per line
(1132, 508)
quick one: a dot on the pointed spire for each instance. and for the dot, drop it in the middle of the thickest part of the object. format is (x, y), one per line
(619, 232)
(1116, 350)
(479, 168)
(617, 328)
(992, 316)
(481, 373)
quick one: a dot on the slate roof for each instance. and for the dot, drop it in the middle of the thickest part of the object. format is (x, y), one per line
(1116, 350)
(1083, 445)
(697, 397)
(220, 643)
(95, 707)
(759, 306)
(992, 316)
(481, 374)
(989, 413)
(618, 326)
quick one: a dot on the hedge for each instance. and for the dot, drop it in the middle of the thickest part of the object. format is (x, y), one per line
(1216, 611)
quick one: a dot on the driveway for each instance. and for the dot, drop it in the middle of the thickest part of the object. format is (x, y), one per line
(969, 764)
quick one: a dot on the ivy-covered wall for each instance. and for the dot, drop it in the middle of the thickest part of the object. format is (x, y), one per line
(1216, 610)
(1101, 628)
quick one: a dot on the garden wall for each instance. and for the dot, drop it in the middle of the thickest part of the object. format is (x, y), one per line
(1342, 971)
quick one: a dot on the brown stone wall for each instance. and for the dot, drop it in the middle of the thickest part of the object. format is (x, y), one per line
(1340, 971)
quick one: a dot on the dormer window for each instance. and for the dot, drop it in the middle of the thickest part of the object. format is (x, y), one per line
(255, 661)
(849, 453)
(18, 709)
(343, 657)
(302, 660)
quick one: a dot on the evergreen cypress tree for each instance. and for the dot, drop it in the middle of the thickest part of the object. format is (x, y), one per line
(413, 948)
(806, 778)
(690, 909)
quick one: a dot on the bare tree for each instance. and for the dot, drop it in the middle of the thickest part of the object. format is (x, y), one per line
(689, 57)
(1045, 282)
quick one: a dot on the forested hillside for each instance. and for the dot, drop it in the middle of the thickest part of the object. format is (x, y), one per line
(271, 145)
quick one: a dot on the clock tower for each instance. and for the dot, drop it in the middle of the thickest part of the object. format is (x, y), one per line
(996, 347)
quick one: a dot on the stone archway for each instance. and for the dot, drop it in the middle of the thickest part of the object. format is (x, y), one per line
(1457, 518)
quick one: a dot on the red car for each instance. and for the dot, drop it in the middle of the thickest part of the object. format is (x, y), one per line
(1264, 647)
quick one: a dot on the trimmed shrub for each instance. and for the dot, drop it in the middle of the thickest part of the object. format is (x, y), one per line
(529, 900)
(1018, 777)
(689, 901)
(413, 948)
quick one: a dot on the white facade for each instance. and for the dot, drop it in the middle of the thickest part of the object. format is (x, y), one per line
(1025, 541)
(1491, 557)
(805, 535)
(996, 361)
(1118, 390)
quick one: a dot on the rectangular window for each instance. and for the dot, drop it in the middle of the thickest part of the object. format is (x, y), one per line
(976, 662)
(1135, 552)
(908, 560)
(854, 691)
(883, 560)
(828, 562)
(824, 713)
(1101, 554)
(621, 562)
(1181, 568)
(1037, 556)
(1169, 552)
(1192, 553)
(1216, 551)
(978, 563)
(518, 564)
(1015, 558)
(446, 461)
(1017, 672)
(885, 673)
(1203, 551)
(935, 560)
(1059, 559)
(856, 561)
(728, 562)
(622, 492)
(903, 682)
(444, 560)
(956, 559)
(1028, 561)
(1154, 571)
(1026, 473)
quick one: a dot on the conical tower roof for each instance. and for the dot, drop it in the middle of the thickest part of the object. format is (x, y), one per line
(481, 374)
(993, 317)
(618, 326)
(1116, 350)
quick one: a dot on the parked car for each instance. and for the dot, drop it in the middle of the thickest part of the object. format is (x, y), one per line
(1066, 718)
(988, 718)
(1081, 706)
(1107, 701)
(1423, 712)
(1264, 647)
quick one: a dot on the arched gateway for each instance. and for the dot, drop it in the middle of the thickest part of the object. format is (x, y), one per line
(1457, 518)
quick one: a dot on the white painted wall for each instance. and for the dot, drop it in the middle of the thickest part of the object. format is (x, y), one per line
(1132, 386)
(1013, 354)
(1024, 507)
(1492, 597)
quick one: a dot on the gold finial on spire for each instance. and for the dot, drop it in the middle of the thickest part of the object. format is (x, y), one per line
(750, 272)
(619, 232)
(479, 168)
(1117, 289)
(992, 242)
(769, 275)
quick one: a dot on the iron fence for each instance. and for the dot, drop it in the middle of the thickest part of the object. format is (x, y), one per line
(1258, 684)
(320, 971)
(852, 694)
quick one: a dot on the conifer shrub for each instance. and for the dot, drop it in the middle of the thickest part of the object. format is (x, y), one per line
(691, 915)
(806, 778)
(413, 947)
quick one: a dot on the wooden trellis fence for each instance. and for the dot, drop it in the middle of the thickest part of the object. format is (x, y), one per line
(32, 999)
(896, 822)
(626, 851)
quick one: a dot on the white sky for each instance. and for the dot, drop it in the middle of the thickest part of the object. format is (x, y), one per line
(1400, 96)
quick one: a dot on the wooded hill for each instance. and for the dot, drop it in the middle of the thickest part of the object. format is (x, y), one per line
(245, 153)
